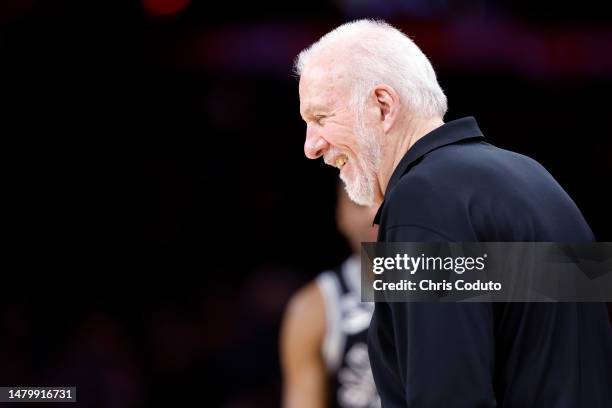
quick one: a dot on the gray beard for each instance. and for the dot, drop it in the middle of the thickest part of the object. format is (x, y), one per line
(361, 189)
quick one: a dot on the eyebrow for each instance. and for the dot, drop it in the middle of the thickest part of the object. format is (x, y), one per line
(310, 112)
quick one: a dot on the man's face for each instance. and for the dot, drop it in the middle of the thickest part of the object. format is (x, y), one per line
(336, 133)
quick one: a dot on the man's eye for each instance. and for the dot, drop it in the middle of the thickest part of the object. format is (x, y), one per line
(319, 118)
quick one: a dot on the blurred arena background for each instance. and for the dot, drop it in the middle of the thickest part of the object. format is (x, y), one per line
(159, 209)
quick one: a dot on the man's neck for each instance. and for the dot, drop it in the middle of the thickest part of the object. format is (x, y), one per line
(414, 130)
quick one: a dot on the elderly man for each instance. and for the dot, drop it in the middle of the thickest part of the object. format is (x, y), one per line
(374, 109)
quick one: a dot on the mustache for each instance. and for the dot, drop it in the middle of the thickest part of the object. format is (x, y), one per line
(330, 154)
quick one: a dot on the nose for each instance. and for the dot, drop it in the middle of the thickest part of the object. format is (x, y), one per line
(315, 145)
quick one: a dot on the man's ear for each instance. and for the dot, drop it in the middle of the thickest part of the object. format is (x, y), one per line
(388, 103)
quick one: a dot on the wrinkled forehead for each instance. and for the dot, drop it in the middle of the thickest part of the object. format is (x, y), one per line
(323, 85)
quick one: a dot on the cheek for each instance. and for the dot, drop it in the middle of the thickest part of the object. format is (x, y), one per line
(342, 137)
(350, 143)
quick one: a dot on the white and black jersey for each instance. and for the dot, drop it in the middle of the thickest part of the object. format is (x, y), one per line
(345, 348)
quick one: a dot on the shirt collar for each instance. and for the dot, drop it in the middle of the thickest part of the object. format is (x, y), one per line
(449, 133)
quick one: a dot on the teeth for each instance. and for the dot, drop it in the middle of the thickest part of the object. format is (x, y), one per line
(340, 162)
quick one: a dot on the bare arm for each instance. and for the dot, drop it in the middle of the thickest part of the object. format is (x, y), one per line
(302, 334)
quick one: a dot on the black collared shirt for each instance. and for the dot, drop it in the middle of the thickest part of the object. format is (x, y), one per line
(454, 186)
(458, 130)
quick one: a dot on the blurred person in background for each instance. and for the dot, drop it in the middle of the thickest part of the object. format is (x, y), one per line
(324, 351)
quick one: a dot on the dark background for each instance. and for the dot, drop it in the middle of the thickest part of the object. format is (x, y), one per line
(158, 207)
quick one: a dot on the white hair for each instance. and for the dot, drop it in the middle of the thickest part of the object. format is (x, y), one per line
(375, 52)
